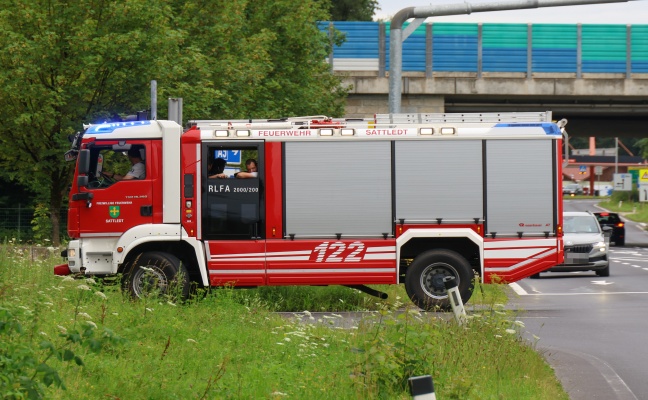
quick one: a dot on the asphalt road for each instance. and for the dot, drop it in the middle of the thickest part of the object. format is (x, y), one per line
(593, 330)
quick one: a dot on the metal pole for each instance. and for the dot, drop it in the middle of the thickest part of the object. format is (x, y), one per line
(175, 109)
(153, 99)
(616, 155)
(397, 37)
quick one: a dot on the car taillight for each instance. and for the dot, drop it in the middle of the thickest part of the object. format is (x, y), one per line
(619, 225)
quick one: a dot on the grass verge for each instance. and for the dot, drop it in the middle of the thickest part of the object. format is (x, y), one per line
(65, 338)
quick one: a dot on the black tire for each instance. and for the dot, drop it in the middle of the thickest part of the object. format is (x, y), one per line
(156, 273)
(620, 242)
(603, 272)
(535, 276)
(424, 278)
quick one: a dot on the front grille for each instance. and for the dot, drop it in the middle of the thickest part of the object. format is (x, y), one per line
(584, 248)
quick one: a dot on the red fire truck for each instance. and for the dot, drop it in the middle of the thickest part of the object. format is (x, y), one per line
(398, 198)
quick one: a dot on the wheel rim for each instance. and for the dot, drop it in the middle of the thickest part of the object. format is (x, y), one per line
(432, 279)
(149, 279)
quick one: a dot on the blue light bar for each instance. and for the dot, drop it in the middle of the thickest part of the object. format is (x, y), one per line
(549, 127)
(110, 127)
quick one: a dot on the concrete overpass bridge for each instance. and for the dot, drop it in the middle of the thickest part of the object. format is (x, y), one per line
(596, 76)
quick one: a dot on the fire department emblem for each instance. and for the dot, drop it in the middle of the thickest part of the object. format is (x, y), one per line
(113, 211)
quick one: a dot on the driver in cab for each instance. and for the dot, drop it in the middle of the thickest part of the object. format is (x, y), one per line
(138, 168)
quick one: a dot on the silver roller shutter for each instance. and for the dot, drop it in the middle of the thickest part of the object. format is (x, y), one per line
(340, 187)
(439, 179)
(519, 178)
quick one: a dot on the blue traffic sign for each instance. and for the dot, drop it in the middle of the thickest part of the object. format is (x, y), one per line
(582, 168)
(231, 156)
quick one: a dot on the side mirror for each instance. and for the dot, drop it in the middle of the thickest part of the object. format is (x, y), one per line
(84, 161)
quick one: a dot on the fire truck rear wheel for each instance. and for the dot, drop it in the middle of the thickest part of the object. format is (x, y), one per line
(157, 273)
(424, 278)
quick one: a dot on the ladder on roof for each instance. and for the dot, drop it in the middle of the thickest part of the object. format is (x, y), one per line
(319, 121)
(421, 118)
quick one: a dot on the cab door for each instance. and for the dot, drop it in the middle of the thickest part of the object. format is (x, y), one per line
(112, 207)
(232, 216)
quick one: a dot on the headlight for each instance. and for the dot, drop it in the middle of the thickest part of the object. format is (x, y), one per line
(71, 253)
(599, 246)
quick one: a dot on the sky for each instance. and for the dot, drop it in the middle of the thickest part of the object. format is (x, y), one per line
(633, 12)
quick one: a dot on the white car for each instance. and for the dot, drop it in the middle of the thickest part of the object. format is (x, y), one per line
(586, 247)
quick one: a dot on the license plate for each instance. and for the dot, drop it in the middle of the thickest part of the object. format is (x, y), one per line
(576, 258)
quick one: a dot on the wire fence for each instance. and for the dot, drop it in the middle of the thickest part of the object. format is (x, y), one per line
(16, 224)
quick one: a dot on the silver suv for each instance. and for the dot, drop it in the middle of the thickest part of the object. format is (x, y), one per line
(586, 247)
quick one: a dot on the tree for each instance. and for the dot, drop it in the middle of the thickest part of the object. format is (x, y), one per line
(254, 59)
(353, 10)
(642, 144)
(65, 63)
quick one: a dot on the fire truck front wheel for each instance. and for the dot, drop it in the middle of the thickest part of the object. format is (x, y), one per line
(424, 278)
(156, 273)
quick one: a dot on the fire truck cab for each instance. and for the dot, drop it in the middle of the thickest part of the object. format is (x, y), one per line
(407, 198)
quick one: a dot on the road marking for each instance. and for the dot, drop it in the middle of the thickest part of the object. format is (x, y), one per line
(617, 384)
(646, 269)
(602, 283)
(518, 289)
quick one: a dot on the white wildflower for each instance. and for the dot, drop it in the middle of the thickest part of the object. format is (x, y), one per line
(326, 345)
(85, 315)
(149, 309)
(498, 336)
(147, 268)
(191, 341)
(519, 323)
(68, 279)
(101, 294)
(115, 313)
(276, 393)
(92, 324)
(83, 287)
(287, 339)
(511, 331)
(47, 303)
(280, 344)
(171, 304)
(62, 329)
(42, 333)
(90, 281)
(337, 315)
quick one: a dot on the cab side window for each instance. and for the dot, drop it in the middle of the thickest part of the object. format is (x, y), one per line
(109, 165)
